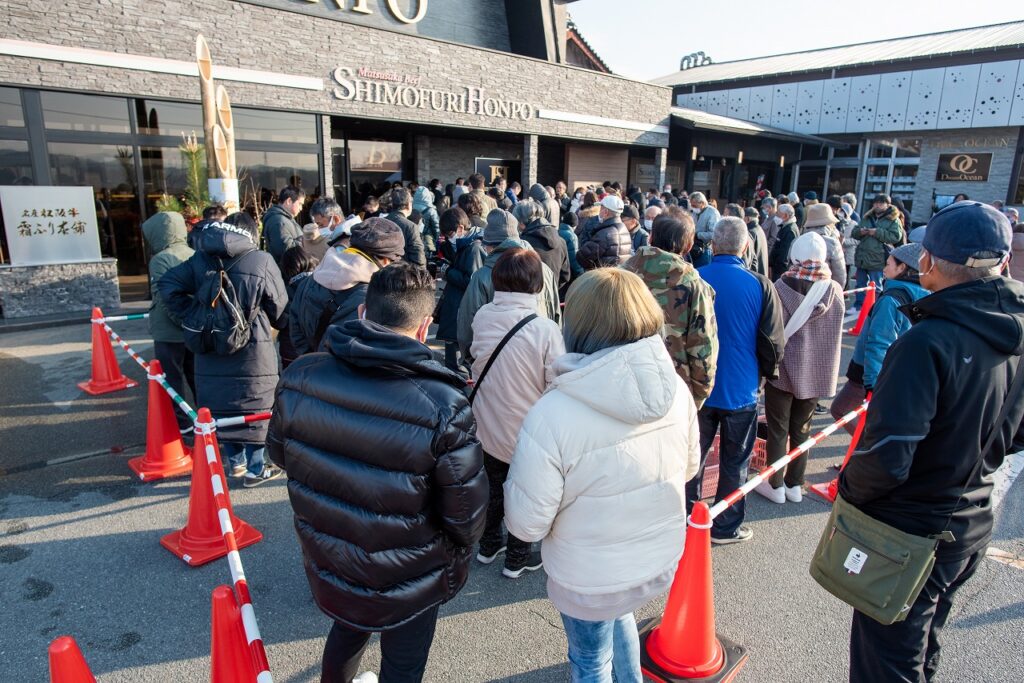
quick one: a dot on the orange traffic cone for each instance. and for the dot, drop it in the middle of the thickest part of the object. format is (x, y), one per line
(106, 373)
(230, 657)
(165, 451)
(869, 301)
(682, 645)
(830, 490)
(67, 665)
(201, 540)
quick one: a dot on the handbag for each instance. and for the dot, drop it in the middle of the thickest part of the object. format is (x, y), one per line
(876, 568)
(490, 361)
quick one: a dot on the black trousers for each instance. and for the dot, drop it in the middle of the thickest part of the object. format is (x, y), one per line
(909, 650)
(179, 366)
(789, 425)
(517, 550)
(735, 444)
(403, 651)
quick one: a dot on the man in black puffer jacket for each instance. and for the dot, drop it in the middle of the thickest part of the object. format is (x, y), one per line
(610, 243)
(544, 238)
(386, 477)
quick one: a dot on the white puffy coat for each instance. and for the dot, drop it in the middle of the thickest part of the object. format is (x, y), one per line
(519, 375)
(600, 469)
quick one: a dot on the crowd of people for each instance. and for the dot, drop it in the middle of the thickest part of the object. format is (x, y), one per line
(597, 345)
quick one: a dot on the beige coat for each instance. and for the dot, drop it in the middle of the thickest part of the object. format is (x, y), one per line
(519, 375)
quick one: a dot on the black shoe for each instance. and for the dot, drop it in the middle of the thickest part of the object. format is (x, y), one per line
(269, 473)
(820, 409)
(744, 533)
(530, 564)
(488, 552)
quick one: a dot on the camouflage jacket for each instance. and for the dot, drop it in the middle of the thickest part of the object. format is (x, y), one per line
(691, 333)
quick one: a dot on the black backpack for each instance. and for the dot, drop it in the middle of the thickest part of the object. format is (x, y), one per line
(216, 322)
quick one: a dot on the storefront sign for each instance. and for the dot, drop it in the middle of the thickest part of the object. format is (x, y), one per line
(973, 143)
(404, 90)
(47, 225)
(342, 8)
(964, 168)
(492, 169)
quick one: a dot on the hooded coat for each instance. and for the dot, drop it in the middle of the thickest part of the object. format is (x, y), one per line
(166, 236)
(608, 500)
(552, 212)
(871, 251)
(423, 201)
(551, 248)
(385, 475)
(941, 387)
(280, 231)
(242, 383)
(342, 276)
(469, 257)
(608, 245)
(480, 291)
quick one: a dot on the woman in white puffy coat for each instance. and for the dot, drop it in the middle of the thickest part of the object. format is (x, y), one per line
(517, 377)
(600, 470)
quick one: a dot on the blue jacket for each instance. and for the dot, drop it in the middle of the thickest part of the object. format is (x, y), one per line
(572, 243)
(884, 325)
(750, 332)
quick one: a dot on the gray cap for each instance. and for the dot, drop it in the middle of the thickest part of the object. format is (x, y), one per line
(501, 225)
(917, 234)
(380, 238)
(909, 254)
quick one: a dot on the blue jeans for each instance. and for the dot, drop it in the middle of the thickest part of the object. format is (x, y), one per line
(596, 648)
(248, 454)
(862, 281)
(735, 444)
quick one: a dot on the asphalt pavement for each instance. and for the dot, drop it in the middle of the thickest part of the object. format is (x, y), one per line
(80, 555)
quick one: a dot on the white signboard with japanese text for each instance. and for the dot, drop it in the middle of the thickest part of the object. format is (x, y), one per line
(48, 225)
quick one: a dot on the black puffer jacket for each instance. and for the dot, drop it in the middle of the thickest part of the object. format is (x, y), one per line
(242, 383)
(609, 245)
(385, 475)
(940, 389)
(550, 246)
(469, 257)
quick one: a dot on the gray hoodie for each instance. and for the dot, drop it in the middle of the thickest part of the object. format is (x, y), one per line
(551, 210)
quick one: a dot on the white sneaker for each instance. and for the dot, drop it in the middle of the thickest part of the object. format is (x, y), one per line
(775, 495)
(794, 494)
(365, 677)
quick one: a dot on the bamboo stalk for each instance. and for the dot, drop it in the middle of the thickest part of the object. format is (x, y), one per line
(207, 95)
(227, 125)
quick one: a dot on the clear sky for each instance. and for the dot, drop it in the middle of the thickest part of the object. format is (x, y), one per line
(645, 39)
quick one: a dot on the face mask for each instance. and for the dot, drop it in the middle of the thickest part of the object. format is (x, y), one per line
(648, 223)
(325, 232)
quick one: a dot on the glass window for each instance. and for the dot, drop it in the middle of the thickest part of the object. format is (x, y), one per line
(904, 182)
(908, 147)
(163, 172)
(110, 171)
(373, 166)
(813, 153)
(15, 164)
(169, 118)
(261, 175)
(852, 151)
(811, 178)
(10, 107)
(1018, 192)
(273, 126)
(880, 149)
(877, 180)
(842, 180)
(70, 111)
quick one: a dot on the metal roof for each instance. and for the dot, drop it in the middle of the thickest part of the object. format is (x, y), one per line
(701, 120)
(976, 39)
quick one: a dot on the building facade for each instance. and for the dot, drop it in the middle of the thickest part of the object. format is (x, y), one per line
(341, 97)
(920, 118)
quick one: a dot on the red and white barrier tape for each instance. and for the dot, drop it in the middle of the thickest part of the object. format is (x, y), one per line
(124, 345)
(720, 507)
(858, 291)
(241, 419)
(219, 484)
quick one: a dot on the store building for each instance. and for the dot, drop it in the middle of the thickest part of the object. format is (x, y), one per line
(341, 97)
(920, 118)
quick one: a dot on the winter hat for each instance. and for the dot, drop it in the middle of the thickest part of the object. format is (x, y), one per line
(501, 225)
(630, 212)
(969, 233)
(380, 238)
(612, 203)
(311, 231)
(917, 234)
(808, 247)
(811, 196)
(819, 215)
(909, 254)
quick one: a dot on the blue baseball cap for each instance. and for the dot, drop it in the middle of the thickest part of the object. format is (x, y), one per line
(969, 233)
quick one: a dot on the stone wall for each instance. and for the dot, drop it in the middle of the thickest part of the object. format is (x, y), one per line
(1000, 142)
(63, 288)
(448, 158)
(252, 37)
